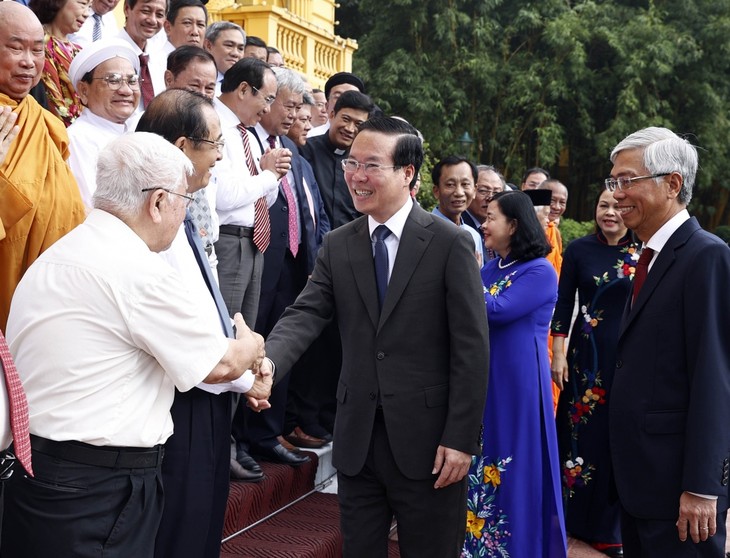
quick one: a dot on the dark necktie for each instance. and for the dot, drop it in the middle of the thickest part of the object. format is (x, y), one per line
(145, 81)
(18, 408)
(202, 260)
(261, 220)
(381, 261)
(292, 205)
(96, 32)
(642, 269)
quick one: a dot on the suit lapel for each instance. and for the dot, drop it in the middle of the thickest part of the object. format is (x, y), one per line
(662, 264)
(413, 243)
(360, 252)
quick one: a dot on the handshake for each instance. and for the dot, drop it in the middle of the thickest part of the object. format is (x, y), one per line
(253, 346)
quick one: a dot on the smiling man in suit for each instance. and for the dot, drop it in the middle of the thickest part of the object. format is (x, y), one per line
(406, 290)
(669, 412)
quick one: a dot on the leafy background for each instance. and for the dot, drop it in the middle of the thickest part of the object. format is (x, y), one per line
(553, 83)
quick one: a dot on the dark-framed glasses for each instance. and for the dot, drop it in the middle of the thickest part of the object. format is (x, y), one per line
(269, 100)
(188, 198)
(218, 144)
(625, 182)
(350, 166)
(114, 81)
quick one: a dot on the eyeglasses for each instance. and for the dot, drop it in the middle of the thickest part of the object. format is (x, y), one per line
(371, 170)
(624, 183)
(269, 100)
(188, 198)
(219, 144)
(320, 104)
(114, 81)
(486, 192)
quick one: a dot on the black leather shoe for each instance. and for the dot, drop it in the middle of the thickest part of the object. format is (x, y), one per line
(279, 454)
(247, 462)
(614, 551)
(241, 474)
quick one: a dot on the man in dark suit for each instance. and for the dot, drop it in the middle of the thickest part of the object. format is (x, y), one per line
(415, 353)
(288, 260)
(669, 411)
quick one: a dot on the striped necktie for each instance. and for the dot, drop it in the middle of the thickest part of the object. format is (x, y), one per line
(261, 220)
(96, 33)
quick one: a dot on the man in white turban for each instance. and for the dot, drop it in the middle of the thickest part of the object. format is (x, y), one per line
(105, 74)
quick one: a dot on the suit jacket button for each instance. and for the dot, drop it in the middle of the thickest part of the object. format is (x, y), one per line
(380, 355)
(372, 395)
(619, 363)
(285, 209)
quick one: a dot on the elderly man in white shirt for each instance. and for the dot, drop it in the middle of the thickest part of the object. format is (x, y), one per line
(103, 331)
(106, 76)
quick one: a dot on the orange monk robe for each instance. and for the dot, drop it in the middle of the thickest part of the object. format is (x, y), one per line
(39, 198)
(556, 258)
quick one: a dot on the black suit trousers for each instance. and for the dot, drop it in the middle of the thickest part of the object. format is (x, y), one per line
(82, 511)
(431, 522)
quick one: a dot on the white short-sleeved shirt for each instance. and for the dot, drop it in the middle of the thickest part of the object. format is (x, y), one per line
(102, 331)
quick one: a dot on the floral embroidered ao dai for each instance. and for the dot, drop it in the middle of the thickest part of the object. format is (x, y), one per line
(514, 506)
(601, 274)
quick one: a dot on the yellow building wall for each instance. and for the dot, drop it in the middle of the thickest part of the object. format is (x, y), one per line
(302, 30)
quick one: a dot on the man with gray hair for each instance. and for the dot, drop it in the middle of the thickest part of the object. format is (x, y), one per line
(226, 42)
(298, 225)
(668, 406)
(103, 331)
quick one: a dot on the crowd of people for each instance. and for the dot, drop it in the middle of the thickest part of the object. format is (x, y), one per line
(206, 263)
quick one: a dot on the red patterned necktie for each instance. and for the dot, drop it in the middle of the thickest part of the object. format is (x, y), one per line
(261, 221)
(18, 408)
(642, 269)
(292, 205)
(145, 81)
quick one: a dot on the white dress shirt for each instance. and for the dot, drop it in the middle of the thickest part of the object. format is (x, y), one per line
(319, 130)
(157, 63)
(218, 82)
(237, 189)
(88, 135)
(6, 434)
(103, 330)
(84, 36)
(181, 257)
(660, 238)
(395, 224)
(263, 141)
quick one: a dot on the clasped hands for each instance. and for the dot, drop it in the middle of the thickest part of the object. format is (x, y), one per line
(277, 161)
(258, 396)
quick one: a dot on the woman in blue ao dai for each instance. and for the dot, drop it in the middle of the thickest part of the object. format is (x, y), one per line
(514, 506)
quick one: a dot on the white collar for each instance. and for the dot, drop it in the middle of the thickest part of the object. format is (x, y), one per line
(397, 222)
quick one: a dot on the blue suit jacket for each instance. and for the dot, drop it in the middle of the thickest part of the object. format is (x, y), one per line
(669, 405)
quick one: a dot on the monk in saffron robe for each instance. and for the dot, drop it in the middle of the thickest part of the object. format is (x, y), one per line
(39, 198)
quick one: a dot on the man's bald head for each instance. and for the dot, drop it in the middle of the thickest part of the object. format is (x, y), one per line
(21, 50)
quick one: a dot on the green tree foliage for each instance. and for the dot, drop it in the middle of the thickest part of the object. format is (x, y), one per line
(555, 83)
